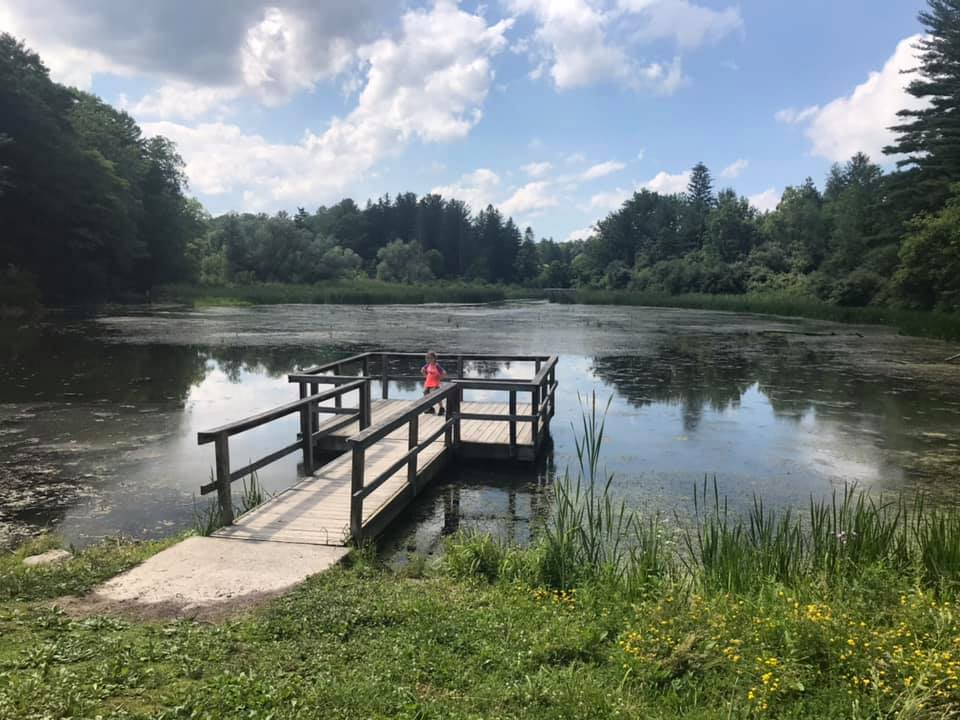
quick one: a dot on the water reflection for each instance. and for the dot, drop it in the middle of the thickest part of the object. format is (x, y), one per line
(98, 423)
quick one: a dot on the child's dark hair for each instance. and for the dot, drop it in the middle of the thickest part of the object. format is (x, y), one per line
(431, 354)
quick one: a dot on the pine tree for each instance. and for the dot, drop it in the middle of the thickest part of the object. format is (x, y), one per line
(929, 137)
(700, 188)
(700, 201)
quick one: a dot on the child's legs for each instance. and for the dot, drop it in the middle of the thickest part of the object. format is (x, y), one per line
(427, 391)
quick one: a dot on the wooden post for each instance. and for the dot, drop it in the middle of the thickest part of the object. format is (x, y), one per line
(303, 394)
(453, 408)
(534, 410)
(364, 405)
(365, 366)
(314, 389)
(222, 445)
(536, 370)
(356, 501)
(384, 380)
(460, 366)
(338, 371)
(513, 423)
(553, 393)
(306, 422)
(412, 441)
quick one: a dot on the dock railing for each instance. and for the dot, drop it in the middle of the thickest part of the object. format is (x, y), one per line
(378, 366)
(308, 407)
(361, 487)
(356, 374)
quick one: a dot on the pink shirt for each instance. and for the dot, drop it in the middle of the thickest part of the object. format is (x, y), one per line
(433, 373)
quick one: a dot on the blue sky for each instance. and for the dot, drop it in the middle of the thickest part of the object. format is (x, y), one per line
(553, 110)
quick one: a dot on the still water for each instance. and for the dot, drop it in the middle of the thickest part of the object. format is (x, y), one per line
(99, 415)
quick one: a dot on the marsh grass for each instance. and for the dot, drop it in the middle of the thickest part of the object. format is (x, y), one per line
(206, 517)
(347, 292)
(944, 326)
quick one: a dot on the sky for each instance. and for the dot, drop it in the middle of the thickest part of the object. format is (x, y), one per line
(554, 111)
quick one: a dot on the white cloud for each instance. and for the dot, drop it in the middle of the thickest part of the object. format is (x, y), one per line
(427, 83)
(609, 200)
(667, 184)
(602, 170)
(181, 100)
(581, 234)
(575, 158)
(663, 183)
(478, 189)
(537, 169)
(580, 42)
(641, 153)
(482, 187)
(735, 169)
(271, 47)
(792, 116)
(688, 24)
(275, 60)
(860, 122)
(531, 198)
(68, 63)
(765, 201)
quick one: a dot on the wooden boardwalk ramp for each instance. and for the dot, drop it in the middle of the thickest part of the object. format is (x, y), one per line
(391, 448)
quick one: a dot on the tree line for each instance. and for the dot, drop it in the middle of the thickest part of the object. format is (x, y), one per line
(93, 209)
(89, 206)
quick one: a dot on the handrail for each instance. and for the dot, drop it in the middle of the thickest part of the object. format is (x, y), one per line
(545, 370)
(308, 408)
(373, 433)
(331, 365)
(411, 417)
(248, 423)
(304, 377)
(404, 459)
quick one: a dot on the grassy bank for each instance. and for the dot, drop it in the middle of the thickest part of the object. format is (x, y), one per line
(942, 326)
(353, 292)
(485, 634)
(850, 611)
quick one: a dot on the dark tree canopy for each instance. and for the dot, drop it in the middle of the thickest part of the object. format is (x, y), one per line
(93, 209)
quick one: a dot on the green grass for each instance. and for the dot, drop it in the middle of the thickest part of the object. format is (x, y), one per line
(944, 326)
(849, 610)
(353, 292)
(364, 641)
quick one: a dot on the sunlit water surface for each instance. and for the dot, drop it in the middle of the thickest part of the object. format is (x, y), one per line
(99, 415)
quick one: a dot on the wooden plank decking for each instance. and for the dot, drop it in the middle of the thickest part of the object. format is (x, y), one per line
(471, 431)
(317, 509)
(391, 448)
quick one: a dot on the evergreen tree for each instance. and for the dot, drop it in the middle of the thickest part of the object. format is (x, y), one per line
(929, 137)
(700, 188)
(527, 265)
(700, 201)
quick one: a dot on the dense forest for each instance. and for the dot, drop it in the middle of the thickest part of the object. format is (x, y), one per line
(91, 209)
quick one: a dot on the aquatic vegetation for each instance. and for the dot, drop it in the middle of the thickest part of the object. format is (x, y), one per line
(941, 325)
(347, 292)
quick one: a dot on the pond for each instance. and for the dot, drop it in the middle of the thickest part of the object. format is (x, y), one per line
(99, 414)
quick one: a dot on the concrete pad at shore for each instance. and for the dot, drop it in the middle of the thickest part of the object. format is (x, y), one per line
(208, 577)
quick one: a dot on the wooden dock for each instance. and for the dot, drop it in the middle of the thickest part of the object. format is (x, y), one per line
(390, 448)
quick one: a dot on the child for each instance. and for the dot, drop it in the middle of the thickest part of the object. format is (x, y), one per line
(433, 375)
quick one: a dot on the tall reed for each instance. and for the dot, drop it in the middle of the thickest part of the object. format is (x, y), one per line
(590, 537)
